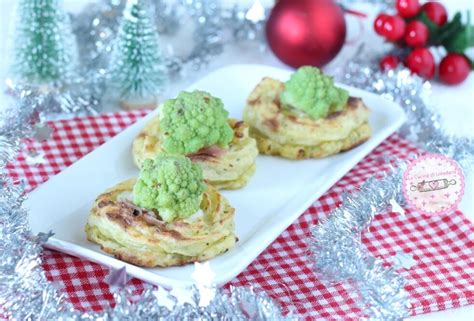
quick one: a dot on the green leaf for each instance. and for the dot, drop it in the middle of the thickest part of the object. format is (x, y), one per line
(461, 40)
(450, 30)
(459, 37)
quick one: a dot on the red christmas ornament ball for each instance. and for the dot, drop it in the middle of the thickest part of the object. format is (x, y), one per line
(389, 62)
(408, 8)
(436, 12)
(416, 34)
(306, 32)
(421, 62)
(454, 69)
(393, 28)
(379, 23)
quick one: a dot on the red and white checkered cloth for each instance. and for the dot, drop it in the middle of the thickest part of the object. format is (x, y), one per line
(442, 246)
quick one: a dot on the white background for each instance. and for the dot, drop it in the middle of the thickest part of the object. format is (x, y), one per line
(455, 104)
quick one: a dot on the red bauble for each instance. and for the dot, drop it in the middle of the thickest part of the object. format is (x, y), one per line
(389, 62)
(393, 28)
(408, 8)
(379, 23)
(306, 32)
(421, 62)
(454, 69)
(416, 34)
(436, 12)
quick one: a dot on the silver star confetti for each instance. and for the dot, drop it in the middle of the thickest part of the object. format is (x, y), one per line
(42, 132)
(403, 260)
(396, 207)
(34, 157)
(117, 278)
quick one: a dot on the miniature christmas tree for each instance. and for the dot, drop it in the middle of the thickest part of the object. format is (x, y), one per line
(45, 50)
(137, 72)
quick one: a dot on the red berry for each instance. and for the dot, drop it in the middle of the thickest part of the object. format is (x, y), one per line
(416, 34)
(389, 62)
(393, 28)
(378, 23)
(408, 8)
(436, 12)
(421, 62)
(454, 69)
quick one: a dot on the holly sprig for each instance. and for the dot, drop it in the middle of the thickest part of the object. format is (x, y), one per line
(415, 29)
(461, 36)
(454, 36)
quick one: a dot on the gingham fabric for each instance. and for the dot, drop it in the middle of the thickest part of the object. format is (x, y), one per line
(442, 246)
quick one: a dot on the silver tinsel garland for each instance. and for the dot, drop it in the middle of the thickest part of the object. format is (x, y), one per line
(339, 254)
(76, 98)
(337, 251)
(210, 22)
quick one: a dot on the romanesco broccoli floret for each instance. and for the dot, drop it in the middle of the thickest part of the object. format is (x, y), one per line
(192, 121)
(172, 185)
(314, 93)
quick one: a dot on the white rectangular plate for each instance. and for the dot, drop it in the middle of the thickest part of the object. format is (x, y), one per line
(277, 194)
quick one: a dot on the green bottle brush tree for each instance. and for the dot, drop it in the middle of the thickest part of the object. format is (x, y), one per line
(45, 50)
(137, 72)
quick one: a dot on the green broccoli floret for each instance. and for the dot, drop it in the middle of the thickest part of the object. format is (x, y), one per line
(172, 185)
(309, 90)
(193, 121)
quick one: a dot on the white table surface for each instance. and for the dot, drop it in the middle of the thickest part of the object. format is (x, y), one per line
(455, 104)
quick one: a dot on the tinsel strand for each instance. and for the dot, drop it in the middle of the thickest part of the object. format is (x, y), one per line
(336, 245)
(96, 27)
(339, 254)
